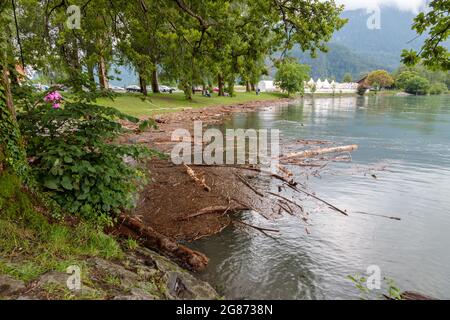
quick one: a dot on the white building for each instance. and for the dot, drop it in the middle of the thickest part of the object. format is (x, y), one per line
(267, 86)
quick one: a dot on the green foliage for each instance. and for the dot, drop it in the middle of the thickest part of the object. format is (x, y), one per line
(12, 151)
(42, 246)
(402, 79)
(347, 78)
(392, 291)
(438, 88)
(432, 76)
(417, 85)
(77, 162)
(436, 24)
(380, 79)
(291, 75)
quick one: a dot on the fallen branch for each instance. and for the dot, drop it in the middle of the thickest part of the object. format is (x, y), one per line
(316, 152)
(317, 198)
(214, 209)
(286, 199)
(255, 227)
(152, 239)
(379, 215)
(244, 181)
(194, 177)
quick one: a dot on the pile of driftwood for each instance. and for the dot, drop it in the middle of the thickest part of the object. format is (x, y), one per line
(132, 226)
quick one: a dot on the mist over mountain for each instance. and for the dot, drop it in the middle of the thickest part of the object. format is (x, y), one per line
(358, 49)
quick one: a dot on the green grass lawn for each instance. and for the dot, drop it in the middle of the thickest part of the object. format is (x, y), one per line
(136, 105)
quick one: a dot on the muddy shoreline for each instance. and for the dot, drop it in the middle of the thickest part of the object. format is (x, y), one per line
(173, 203)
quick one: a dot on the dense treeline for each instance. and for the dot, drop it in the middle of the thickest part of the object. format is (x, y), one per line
(191, 42)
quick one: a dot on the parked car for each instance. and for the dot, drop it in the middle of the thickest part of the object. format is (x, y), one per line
(133, 88)
(40, 87)
(117, 88)
(163, 88)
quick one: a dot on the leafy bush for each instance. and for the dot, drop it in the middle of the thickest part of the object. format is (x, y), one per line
(75, 159)
(403, 77)
(438, 88)
(417, 85)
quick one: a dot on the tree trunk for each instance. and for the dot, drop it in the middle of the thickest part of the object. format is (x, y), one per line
(253, 87)
(143, 84)
(247, 86)
(12, 148)
(155, 83)
(220, 84)
(317, 152)
(5, 83)
(193, 260)
(91, 75)
(102, 73)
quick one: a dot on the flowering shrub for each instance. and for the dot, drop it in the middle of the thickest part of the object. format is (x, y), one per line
(76, 160)
(54, 98)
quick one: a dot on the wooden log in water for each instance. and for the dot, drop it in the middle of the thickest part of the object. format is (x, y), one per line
(152, 239)
(316, 152)
(411, 295)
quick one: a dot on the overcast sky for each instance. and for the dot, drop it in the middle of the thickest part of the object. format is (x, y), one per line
(406, 5)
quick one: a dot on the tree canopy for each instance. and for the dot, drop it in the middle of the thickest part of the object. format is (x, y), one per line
(291, 75)
(380, 79)
(188, 42)
(436, 24)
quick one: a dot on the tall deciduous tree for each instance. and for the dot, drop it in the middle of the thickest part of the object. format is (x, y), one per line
(380, 79)
(291, 76)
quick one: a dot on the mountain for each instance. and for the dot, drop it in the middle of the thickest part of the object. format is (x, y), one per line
(338, 61)
(356, 49)
(382, 45)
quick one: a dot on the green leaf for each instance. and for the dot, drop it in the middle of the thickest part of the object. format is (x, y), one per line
(66, 183)
(51, 184)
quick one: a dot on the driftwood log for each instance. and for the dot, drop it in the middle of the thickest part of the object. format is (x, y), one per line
(317, 152)
(152, 239)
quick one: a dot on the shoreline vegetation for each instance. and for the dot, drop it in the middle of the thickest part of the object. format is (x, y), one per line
(83, 171)
(37, 268)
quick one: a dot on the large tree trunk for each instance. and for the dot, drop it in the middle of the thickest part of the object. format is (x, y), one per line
(253, 87)
(247, 86)
(155, 83)
(12, 148)
(5, 83)
(103, 73)
(220, 83)
(143, 84)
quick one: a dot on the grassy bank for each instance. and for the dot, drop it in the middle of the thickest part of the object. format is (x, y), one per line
(137, 105)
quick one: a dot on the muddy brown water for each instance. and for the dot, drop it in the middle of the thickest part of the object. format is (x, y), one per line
(401, 169)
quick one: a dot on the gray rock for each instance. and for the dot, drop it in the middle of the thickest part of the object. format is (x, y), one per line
(27, 298)
(127, 278)
(136, 294)
(10, 286)
(180, 283)
(53, 277)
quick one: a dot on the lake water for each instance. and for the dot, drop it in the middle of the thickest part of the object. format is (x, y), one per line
(405, 142)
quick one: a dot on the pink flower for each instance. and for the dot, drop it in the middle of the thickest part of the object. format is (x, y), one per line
(55, 98)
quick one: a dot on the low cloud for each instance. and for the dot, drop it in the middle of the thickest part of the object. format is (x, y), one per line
(404, 5)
